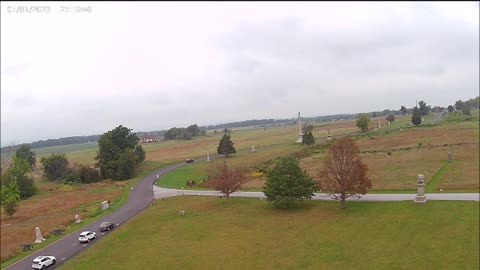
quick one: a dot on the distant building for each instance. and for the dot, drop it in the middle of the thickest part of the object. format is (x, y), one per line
(149, 139)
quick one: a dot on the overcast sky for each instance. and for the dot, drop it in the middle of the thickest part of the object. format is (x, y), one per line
(153, 65)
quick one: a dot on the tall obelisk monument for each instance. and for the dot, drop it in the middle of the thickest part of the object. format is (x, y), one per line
(300, 134)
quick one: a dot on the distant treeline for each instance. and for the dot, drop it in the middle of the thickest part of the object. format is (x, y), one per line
(177, 133)
(248, 123)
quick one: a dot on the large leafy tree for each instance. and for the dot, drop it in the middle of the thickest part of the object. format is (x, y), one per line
(344, 174)
(450, 108)
(224, 179)
(10, 195)
(466, 110)
(193, 130)
(25, 152)
(55, 167)
(459, 105)
(308, 138)
(404, 110)
(18, 173)
(363, 122)
(115, 156)
(423, 108)
(225, 146)
(287, 183)
(416, 117)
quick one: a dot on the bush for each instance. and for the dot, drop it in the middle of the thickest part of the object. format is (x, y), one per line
(458, 117)
(88, 174)
(72, 177)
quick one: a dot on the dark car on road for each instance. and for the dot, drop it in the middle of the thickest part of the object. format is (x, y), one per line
(107, 226)
(189, 160)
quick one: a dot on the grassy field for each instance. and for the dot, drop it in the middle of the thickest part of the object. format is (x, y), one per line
(199, 171)
(58, 205)
(247, 233)
(427, 152)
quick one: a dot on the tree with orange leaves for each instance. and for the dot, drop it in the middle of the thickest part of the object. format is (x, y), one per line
(224, 179)
(344, 174)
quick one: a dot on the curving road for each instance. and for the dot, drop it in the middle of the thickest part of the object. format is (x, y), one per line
(69, 246)
(141, 197)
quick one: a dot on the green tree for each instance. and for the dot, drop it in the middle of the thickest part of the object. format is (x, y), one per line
(308, 138)
(466, 109)
(55, 167)
(10, 195)
(404, 110)
(115, 150)
(193, 130)
(18, 173)
(25, 152)
(450, 108)
(362, 122)
(416, 118)
(225, 146)
(126, 165)
(458, 105)
(287, 183)
(139, 153)
(423, 108)
(390, 118)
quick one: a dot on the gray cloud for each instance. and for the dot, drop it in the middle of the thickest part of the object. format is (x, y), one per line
(172, 66)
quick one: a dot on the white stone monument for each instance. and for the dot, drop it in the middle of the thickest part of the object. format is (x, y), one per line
(38, 236)
(253, 148)
(77, 219)
(300, 134)
(420, 197)
(105, 205)
(208, 156)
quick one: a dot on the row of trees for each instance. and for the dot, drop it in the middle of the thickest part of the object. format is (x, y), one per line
(184, 133)
(56, 168)
(343, 175)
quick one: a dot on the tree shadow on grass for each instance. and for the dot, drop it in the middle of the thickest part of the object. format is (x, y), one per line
(295, 207)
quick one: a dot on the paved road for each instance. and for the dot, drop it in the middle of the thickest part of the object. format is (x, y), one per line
(166, 192)
(69, 246)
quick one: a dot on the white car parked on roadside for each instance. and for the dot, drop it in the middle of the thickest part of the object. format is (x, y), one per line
(42, 262)
(87, 236)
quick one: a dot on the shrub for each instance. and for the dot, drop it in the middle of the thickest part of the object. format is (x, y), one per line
(88, 174)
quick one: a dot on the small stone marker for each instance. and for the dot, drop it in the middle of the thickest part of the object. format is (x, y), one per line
(421, 197)
(158, 176)
(450, 158)
(105, 205)
(182, 212)
(38, 236)
(253, 148)
(77, 219)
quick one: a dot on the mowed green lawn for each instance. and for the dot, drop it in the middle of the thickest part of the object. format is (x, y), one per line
(246, 233)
